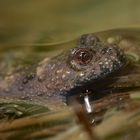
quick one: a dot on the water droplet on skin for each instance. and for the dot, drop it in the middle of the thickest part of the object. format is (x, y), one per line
(63, 76)
(81, 74)
(68, 72)
(41, 78)
(106, 63)
(52, 79)
(100, 63)
(59, 71)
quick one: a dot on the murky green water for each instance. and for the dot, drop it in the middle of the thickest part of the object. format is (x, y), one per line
(48, 22)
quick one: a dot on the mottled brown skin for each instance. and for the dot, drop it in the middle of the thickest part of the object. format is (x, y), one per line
(70, 72)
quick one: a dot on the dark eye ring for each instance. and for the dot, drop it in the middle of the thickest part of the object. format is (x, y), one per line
(83, 56)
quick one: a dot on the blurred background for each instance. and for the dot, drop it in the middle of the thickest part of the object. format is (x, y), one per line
(47, 22)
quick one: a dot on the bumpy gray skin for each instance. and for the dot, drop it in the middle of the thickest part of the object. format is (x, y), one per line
(71, 71)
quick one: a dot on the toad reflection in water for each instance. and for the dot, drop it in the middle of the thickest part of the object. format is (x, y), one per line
(71, 72)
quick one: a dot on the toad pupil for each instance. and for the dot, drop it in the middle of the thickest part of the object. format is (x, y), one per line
(83, 56)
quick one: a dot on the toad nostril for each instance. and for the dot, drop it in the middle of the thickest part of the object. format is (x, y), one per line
(104, 50)
(110, 50)
(88, 40)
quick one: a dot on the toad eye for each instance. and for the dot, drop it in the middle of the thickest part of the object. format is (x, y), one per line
(83, 56)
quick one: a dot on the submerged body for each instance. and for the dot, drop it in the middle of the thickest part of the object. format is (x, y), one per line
(73, 71)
